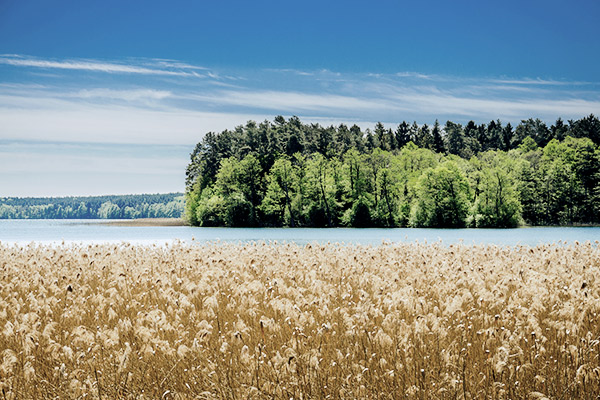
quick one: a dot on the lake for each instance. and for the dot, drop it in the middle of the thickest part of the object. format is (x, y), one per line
(94, 231)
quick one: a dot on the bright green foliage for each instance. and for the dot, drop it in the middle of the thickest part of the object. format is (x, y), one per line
(570, 172)
(286, 173)
(234, 198)
(387, 190)
(443, 197)
(527, 145)
(191, 205)
(497, 205)
(321, 189)
(210, 210)
(494, 177)
(277, 203)
(529, 191)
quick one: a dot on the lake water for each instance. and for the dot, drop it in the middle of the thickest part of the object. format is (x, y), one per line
(93, 231)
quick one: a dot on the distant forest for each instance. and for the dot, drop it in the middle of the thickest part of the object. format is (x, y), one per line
(287, 173)
(170, 205)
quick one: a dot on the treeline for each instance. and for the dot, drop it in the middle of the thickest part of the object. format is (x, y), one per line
(288, 173)
(170, 205)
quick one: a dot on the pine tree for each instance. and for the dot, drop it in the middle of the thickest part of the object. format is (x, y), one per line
(402, 135)
(438, 141)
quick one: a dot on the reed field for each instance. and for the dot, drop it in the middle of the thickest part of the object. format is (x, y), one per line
(282, 321)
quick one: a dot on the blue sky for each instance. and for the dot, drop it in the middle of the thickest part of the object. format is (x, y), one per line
(110, 97)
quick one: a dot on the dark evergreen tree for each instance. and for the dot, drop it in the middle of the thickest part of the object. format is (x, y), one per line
(402, 135)
(295, 141)
(533, 128)
(494, 135)
(344, 139)
(391, 139)
(482, 137)
(325, 140)
(471, 130)
(358, 137)
(371, 142)
(472, 138)
(414, 132)
(380, 135)
(588, 127)
(507, 138)
(559, 130)
(437, 139)
(455, 139)
(424, 138)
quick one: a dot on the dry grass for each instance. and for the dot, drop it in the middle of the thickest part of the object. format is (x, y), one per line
(282, 321)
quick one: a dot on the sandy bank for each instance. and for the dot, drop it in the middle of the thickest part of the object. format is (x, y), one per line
(147, 222)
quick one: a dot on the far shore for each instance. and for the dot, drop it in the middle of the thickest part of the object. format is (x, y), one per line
(147, 222)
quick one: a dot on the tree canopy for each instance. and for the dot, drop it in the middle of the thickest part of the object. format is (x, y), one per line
(169, 205)
(286, 173)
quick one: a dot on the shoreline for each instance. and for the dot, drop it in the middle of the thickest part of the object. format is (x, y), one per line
(181, 222)
(146, 222)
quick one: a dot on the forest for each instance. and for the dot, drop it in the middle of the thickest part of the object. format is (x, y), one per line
(170, 205)
(287, 173)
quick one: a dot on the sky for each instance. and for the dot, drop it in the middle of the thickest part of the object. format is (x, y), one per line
(110, 97)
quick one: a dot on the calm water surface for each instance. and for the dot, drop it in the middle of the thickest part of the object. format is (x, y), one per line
(86, 231)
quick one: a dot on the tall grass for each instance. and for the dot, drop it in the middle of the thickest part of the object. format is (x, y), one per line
(281, 321)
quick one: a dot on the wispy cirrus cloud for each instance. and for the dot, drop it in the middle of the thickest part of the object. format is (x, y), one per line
(117, 124)
(164, 68)
(175, 108)
(409, 74)
(290, 71)
(166, 63)
(291, 101)
(131, 95)
(130, 124)
(541, 82)
(511, 110)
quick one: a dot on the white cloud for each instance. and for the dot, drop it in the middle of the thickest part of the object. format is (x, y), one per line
(290, 71)
(539, 81)
(25, 162)
(408, 74)
(176, 64)
(68, 119)
(505, 109)
(292, 101)
(115, 124)
(164, 108)
(172, 111)
(127, 95)
(96, 66)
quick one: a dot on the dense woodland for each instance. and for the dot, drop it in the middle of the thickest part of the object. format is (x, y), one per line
(168, 205)
(286, 173)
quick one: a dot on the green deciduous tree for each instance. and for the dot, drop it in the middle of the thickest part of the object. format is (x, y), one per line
(277, 202)
(497, 204)
(323, 208)
(443, 198)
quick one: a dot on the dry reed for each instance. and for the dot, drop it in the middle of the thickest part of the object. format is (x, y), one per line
(275, 321)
